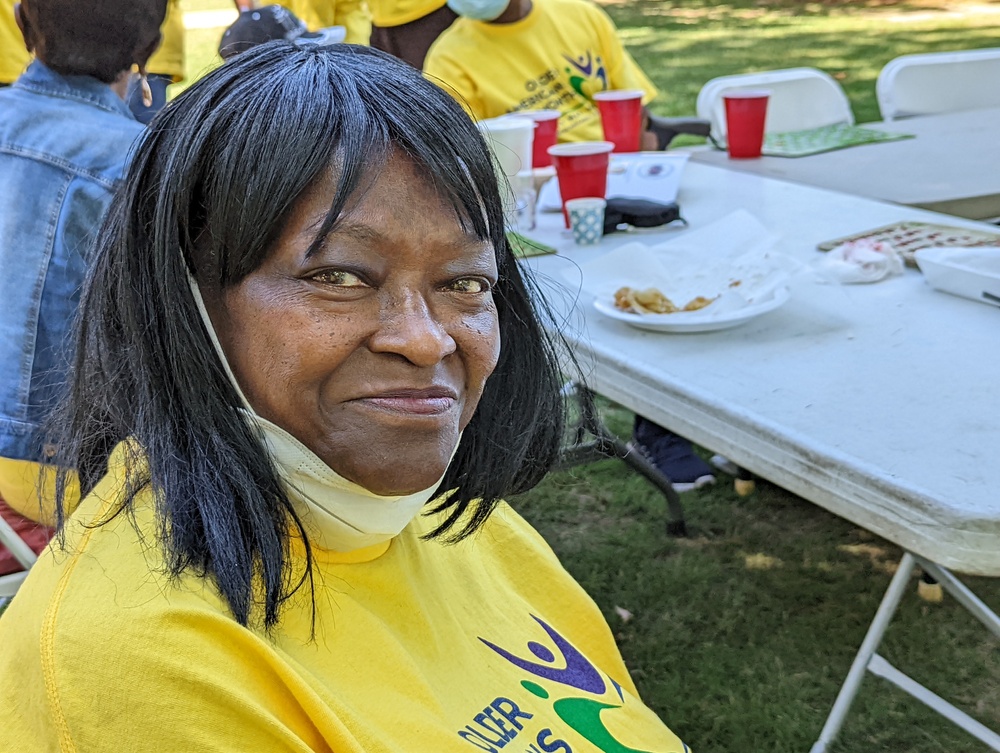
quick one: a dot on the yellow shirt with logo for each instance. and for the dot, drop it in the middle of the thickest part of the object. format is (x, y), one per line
(418, 646)
(556, 58)
(353, 15)
(398, 12)
(14, 57)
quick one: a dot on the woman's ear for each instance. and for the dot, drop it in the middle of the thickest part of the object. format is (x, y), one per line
(25, 26)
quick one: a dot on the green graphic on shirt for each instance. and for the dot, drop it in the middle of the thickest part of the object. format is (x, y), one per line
(584, 68)
(583, 715)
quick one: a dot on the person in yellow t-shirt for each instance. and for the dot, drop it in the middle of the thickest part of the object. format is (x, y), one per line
(407, 28)
(353, 15)
(274, 386)
(507, 55)
(503, 56)
(14, 58)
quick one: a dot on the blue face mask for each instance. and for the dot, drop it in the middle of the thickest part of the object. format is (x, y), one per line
(479, 10)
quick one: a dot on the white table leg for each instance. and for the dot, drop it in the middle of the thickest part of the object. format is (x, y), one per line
(897, 587)
(960, 592)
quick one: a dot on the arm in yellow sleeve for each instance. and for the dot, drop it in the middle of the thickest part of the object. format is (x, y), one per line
(354, 16)
(623, 71)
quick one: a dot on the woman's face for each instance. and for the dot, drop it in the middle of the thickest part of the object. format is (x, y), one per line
(374, 351)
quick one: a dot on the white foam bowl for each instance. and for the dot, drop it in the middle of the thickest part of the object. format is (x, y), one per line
(972, 273)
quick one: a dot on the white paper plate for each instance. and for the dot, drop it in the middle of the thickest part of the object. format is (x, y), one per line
(694, 321)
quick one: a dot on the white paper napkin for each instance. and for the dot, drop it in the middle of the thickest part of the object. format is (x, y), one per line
(732, 260)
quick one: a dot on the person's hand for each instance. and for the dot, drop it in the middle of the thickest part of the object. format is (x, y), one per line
(242, 5)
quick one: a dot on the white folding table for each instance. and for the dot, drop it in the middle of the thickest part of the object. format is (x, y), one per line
(951, 166)
(879, 402)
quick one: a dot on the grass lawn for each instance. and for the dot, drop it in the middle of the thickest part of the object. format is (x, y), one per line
(741, 633)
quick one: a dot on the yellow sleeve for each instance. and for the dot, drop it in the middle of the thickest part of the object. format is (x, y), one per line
(356, 18)
(623, 71)
(442, 67)
(168, 60)
(353, 15)
(14, 57)
(398, 12)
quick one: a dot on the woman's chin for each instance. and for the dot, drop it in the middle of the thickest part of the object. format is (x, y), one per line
(396, 468)
(400, 476)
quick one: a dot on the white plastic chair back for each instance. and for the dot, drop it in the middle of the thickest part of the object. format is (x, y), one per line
(800, 98)
(22, 553)
(937, 82)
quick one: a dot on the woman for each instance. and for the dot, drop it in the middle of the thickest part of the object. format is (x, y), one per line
(308, 370)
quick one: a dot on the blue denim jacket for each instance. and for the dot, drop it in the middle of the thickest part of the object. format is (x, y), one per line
(64, 141)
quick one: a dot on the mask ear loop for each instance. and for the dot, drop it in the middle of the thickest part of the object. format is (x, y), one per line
(199, 302)
(147, 93)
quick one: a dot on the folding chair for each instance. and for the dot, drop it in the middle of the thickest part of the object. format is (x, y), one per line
(939, 82)
(22, 553)
(800, 98)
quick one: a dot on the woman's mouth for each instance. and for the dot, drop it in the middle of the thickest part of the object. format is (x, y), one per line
(416, 402)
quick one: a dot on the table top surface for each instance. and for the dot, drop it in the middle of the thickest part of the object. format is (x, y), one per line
(952, 166)
(878, 402)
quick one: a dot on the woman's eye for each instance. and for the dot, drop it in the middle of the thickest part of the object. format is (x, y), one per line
(339, 278)
(470, 285)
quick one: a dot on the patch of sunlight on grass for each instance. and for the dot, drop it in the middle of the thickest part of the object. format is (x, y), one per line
(761, 561)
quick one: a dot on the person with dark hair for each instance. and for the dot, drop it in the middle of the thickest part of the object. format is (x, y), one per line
(295, 411)
(65, 133)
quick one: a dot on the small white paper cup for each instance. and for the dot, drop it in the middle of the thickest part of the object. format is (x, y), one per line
(586, 220)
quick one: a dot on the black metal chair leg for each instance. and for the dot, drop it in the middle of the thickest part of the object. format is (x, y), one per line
(607, 445)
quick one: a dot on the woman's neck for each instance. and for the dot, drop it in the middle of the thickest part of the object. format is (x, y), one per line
(517, 10)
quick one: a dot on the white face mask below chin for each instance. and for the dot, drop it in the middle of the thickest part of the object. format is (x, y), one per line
(338, 514)
(479, 10)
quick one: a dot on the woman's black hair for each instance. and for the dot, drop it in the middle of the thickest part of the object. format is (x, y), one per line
(207, 192)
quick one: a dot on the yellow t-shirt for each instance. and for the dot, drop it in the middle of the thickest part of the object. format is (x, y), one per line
(398, 12)
(557, 57)
(419, 646)
(353, 15)
(168, 60)
(14, 57)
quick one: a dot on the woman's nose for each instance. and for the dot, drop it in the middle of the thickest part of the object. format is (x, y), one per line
(409, 327)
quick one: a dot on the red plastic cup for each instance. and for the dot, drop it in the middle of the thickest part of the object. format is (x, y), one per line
(621, 116)
(546, 131)
(582, 170)
(746, 112)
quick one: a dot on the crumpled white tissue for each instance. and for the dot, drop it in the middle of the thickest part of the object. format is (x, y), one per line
(860, 261)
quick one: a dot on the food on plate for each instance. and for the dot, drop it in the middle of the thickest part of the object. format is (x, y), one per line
(697, 303)
(648, 301)
(652, 301)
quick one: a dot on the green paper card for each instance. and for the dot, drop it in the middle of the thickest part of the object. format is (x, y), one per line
(824, 139)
